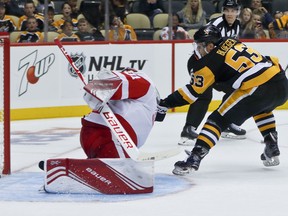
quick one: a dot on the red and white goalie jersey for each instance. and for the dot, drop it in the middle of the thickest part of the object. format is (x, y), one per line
(134, 104)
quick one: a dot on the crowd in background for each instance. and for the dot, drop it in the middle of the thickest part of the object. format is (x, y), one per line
(82, 21)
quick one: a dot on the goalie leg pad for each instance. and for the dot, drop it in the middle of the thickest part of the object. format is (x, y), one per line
(94, 176)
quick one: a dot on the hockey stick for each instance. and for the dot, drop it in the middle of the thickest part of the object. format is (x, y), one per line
(116, 127)
(286, 68)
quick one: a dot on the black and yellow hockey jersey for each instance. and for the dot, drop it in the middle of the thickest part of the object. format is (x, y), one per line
(279, 27)
(68, 38)
(7, 24)
(231, 63)
(30, 37)
(23, 20)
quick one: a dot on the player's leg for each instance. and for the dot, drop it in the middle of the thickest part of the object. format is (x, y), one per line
(217, 122)
(271, 150)
(207, 138)
(267, 126)
(195, 115)
(265, 120)
(233, 131)
(250, 102)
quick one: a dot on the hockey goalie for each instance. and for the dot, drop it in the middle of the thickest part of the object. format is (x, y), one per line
(108, 169)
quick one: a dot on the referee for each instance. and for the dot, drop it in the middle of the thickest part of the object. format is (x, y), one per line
(228, 24)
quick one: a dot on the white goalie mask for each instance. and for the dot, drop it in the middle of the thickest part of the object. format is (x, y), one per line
(105, 74)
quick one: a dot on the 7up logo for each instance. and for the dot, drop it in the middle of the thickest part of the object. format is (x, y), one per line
(32, 69)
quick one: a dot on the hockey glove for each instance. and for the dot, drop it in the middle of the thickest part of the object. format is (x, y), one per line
(161, 111)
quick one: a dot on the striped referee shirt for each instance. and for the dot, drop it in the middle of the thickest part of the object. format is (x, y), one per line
(225, 29)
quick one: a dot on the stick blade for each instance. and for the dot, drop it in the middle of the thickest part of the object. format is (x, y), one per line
(145, 156)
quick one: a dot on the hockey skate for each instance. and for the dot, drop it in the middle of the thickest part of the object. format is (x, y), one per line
(192, 163)
(234, 132)
(188, 136)
(271, 150)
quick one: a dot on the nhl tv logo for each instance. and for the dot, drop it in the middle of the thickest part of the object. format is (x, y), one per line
(79, 60)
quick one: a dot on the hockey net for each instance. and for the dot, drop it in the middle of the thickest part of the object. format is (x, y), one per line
(4, 104)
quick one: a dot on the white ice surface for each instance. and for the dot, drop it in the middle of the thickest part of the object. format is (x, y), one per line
(231, 181)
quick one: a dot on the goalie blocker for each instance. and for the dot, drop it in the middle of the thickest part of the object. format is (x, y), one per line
(98, 176)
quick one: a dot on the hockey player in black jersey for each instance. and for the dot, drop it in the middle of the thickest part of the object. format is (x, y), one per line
(200, 107)
(255, 80)
(229, 26)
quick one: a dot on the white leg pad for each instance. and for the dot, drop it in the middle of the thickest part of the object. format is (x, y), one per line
(98, 176)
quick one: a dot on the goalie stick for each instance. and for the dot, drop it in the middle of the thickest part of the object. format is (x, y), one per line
(115, 126)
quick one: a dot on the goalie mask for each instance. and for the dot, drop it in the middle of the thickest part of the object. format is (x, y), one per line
(105, 74)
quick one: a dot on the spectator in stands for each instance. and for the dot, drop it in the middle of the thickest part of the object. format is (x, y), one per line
(75, 10)
(67, 34)
(66, 11)
(279, 27)
(50, 16)
(94, 13)
(192, 16)
(151, 8)
(29, 10)
(252, 28)
(120, 9)
(40, 7)
(6, 22)
(32, 33)
(244, 3)
(255, 4)
(257, 8)
(178, 33)
(12, 8)
(119, 31)
(98, 20)
(265, 17)
(246, 22)
(278, 14)
(85, 33)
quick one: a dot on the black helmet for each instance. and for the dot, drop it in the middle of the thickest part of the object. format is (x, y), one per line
(208, 34)
(230, 4)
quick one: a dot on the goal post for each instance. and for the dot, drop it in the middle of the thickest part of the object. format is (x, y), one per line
(5, 165)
